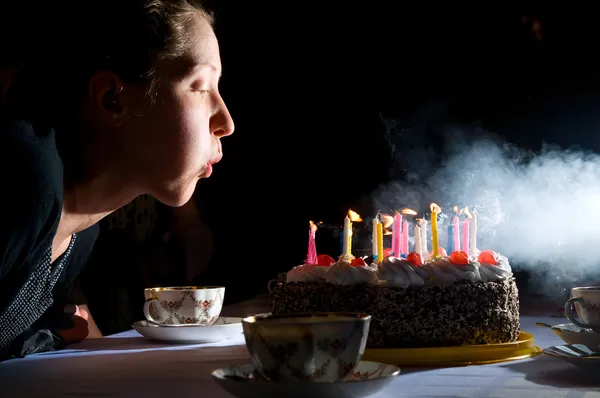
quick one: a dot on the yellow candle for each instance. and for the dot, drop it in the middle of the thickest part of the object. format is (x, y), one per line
(379, 242)
(435, 209)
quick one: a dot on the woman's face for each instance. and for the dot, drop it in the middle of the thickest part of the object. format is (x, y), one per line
(178, 137)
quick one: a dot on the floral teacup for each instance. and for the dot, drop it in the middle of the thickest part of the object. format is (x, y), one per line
(200, 305)
(323, 347)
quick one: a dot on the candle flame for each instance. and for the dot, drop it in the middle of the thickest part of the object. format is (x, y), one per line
(387, 232)
(407, 211)
(435, 208)
(457, 210)
(354, 216)
(387, 221)
(313, 226)
(467, 213)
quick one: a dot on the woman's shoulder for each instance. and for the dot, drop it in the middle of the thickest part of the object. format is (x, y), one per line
(23, 137)
(32, 190)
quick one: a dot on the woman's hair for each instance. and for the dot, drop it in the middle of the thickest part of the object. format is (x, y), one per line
(126, 37)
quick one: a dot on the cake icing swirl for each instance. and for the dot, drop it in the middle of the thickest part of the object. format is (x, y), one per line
(343, 273)
(401, 273)
(307, 273)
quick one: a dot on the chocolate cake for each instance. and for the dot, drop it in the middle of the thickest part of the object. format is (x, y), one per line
(478, 309)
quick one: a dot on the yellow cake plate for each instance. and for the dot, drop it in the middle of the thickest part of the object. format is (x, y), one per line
(456, 356)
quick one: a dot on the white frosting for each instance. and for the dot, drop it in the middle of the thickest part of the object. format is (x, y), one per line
(342, 273)
(399, 272)
(307, 273)
(495, 273)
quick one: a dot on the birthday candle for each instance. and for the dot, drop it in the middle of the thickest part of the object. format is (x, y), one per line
(465, 231)
(404, 236)
(379, 242)
(450, 237)
(311, 257)
(347, 237)
(435, 209)
(397, 238)
(456, 229)
(418, 239)
(424, 248)
(394, 232)
(374, 241)
(473, 234)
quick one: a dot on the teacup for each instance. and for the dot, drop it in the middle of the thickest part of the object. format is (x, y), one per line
(200, 305)
(321, 347)
(587, 303)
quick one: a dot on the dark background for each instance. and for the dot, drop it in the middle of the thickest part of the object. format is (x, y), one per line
(308, 86)
(314, 88)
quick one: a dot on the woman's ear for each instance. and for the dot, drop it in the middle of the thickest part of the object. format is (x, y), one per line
(105, 97)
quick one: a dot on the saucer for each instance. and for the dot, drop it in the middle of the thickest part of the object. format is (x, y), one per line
(367, 379)
(573, 334)
(223, 328)
(577, 354)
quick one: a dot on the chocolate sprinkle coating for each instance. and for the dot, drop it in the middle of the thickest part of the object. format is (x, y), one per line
(430, 316)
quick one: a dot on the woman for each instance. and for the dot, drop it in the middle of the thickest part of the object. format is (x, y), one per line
(135, 110)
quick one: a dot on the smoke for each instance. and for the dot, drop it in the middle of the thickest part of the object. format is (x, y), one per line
(540, 209)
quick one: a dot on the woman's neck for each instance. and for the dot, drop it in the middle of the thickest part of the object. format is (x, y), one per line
(95, 182)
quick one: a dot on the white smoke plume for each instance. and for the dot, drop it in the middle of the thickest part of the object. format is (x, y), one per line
(540, 209)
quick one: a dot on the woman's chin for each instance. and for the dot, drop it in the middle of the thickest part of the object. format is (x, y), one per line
(176, 196)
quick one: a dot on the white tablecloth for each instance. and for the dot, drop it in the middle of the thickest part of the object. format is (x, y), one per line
(127, 365)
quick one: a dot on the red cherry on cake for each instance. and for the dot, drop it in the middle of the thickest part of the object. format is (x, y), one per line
(325, 260)
(459, 257)
(414, 258)
(358, 262)
(387, 252)
(488, 257)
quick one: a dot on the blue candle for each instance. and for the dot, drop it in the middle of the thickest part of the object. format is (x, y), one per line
(450, 238)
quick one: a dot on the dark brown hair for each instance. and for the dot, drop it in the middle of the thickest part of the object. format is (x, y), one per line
(126, 37)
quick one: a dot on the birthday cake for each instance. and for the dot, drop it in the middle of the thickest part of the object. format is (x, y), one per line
(447, 300)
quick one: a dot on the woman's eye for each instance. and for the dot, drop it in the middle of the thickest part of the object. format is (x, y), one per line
(202, 92)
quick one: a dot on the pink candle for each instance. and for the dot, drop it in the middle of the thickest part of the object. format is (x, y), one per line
(455, 233)
(397, 238)
(404, 237)
(465, 235)
(311, 257)
(394, 233)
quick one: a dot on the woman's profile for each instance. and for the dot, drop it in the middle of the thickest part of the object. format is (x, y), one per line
(120, 102)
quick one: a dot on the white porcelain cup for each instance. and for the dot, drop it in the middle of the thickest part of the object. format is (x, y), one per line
(586, 301)
(200, 305)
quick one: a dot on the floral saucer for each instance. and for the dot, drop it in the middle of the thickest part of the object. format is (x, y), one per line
(223, 328)
(573, 334)
(368, 378)
(577, 354)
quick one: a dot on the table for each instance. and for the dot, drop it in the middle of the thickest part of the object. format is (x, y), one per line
(127, 365)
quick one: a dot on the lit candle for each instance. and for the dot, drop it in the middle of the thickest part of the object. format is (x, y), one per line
(379, 242)
(473, 233)
(424, 249)
(397, 237)
(435, 209)
(465, 231)
(404, 237)
(347, 239)
(311, 257)
(374, 241)
(417, 231)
